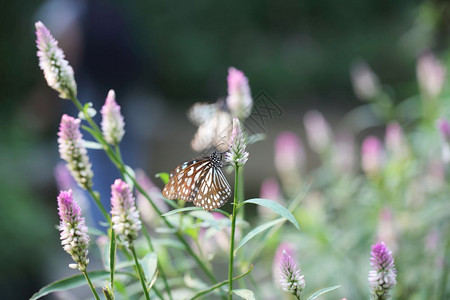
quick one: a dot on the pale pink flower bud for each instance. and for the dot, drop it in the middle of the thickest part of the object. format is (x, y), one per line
(236, 155)
(57, 71)
(396, 141)
(371, 155)
(431, 74)
(382, 277)
(125, 216)
(72, 150)
(74, 238)
(112, 120)
(239, 99)
(318, 131)
(344, 152)
(365, 83)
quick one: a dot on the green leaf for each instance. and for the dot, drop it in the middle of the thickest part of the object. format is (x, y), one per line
(70, 283)
(323, 291)
(179, 210)
(112, 256)
(257, 231)
(257, 137)
(276, 207)
(149, 264)
(245, 294)
(163, 176)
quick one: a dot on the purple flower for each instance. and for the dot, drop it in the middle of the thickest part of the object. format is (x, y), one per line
(276, 271)
(125, 216)
(291, 280)
(57, 71)
(318, 131)
(382, 277)
(72, 150)
(74, 238)
(371, 155)
(112, 120)
(431, 74)
(239, 99)
(237, 155)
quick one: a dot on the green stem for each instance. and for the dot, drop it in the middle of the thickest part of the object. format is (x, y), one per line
(233, 229)
(161, 271)
(120, 165)
(94, 292)
(218, 285)
(96, 198)
(140, 272)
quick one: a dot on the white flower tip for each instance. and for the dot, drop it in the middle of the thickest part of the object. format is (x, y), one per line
(111, 95)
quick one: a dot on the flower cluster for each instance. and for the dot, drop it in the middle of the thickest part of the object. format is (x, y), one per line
(237, 155)
(112, 120)
(239, 99)
(72, 150)
(74, 238)
(382, 278)
(57, 71)
(125, 216)
(291, 280)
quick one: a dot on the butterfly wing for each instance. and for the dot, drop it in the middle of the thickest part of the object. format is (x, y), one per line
(215, 131)
(183, 179)
(213, 190)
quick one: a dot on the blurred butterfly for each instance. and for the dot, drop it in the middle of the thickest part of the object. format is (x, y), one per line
(214, 123)
(200, 181)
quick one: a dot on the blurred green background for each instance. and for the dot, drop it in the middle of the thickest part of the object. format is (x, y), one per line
(161, 57)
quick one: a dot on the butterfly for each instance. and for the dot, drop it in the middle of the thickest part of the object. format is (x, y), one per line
(200, 181)
(214, 123)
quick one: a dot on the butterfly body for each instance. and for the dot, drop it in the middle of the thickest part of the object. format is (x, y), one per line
(200, 181)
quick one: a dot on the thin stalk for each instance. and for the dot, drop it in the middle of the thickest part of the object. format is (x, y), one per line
(140, 272)
(233, 229)
(94, 292)
(161, 271)
(96, 198)
(218, 285)
(119, 164)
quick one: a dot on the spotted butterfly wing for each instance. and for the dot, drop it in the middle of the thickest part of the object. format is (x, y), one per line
(200, 181)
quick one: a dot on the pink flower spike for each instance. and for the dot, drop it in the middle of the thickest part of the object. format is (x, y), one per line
(371, 155)
(57, 71)
(239, 99)
(291, 280)
(382, 277)
(125, 216)
(72, 150)
(289, 153)
(74, 238)
(318, 131)
(444, 128)
(112, 120)
(431, 74)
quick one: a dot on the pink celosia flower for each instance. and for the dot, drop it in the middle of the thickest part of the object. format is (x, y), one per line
(74, 238)
(125, 216)
(291, 279)
(396, 140)
(112, 120)
(289, 153)
(318, 131)
(365, 83)
(72, 150)
(344, 152)
(239, 99)
(431, 74)
(282, 247)
(371, 155)
(237, 156)
(57, 71)
(382, 277)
